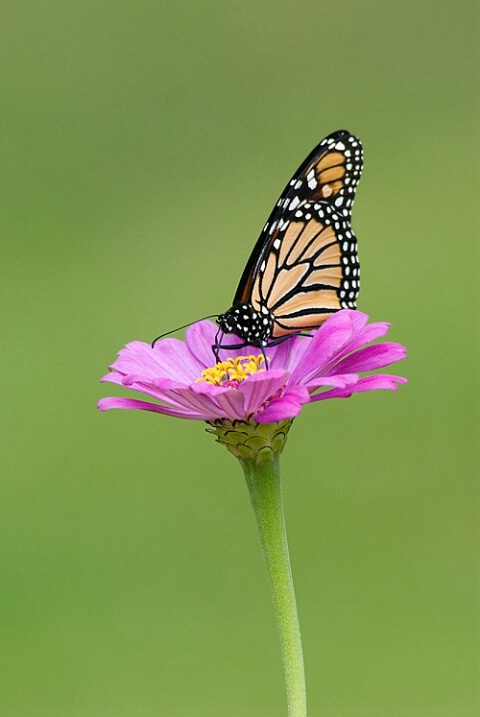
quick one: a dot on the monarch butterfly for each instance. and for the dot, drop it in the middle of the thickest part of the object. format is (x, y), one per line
(304, 266)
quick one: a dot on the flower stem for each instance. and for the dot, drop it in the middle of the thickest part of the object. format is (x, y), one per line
(264, 487)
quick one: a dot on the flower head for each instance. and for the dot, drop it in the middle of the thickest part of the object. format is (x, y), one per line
(183, 382)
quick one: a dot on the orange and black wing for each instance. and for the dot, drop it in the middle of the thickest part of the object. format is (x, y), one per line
(311, 271)
(304, 266)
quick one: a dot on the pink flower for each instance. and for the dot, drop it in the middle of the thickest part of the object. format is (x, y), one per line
(300, 370)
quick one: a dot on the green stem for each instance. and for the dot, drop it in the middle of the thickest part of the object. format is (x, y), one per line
(264, 487)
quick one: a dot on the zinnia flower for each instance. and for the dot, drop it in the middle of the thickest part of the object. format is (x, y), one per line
(181, 380)
(250, 407)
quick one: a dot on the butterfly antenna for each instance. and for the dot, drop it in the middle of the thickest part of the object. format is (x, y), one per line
(179, 328)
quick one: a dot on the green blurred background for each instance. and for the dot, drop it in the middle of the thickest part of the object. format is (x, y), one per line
(144, 145)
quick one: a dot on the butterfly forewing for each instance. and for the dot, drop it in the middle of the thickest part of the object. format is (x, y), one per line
(330, 175)
(304, 265)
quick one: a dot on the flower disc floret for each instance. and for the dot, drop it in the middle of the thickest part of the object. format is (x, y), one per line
(232, 371)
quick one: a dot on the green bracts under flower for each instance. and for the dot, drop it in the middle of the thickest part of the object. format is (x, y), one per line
(257, 442)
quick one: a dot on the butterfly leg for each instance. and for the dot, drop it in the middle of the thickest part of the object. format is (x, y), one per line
(281, 339)
(217, 345)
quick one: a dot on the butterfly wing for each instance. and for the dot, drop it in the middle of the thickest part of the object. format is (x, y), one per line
(304, 265)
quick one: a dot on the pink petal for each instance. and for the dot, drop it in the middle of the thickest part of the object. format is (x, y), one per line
(107, 403)
(260, 387)
(189, 400)
(230, 405)
(228, 402)
(135, 385)
(169, 358)
(368, 334)
(341, 381)
(288, 406)
(358, 319)
(157, 383)
(176, 362)
(112, 377)
(370, 358)
(379, 381)
(287, 355)
(199, 339)
(326, 344)
(367, 383)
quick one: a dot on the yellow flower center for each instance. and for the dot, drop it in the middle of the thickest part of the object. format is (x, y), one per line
(232, 371)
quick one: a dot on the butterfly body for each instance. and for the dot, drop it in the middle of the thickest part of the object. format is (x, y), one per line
(304, 266)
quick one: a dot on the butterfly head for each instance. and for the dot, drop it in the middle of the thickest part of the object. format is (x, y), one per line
(252, 326)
